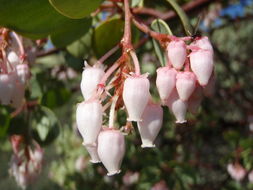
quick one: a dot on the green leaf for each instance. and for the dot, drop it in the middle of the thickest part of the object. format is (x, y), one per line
(160, 26)
(34, 19)
(107, 35)
(4, 121)
(46, 126)
(55, 97)
(183, 17)
(71, 32)
(81, 47)
(75, 9)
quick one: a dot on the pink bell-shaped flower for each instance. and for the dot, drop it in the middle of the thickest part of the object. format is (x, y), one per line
(91, 77)
(202, 65)
(195, 100)
(186, 82)
(111, 149)
(177, 53)
(92, 150)
(89, 121)
(23, 73)
(177, 106)
(150, 125)
(18, 95)
(136, 95)
(165, 82)
(203, 43)
(209, 89)
(7, 85)
(236, 171)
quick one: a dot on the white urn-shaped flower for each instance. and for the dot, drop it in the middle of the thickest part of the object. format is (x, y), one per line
(89, 121)
(165, 82)
(177, 53)
(177, 106)
(92, 150)
(136, 95)
(186, 82)
(201, 62)
(91, 77)
(150, 125)
(111, 149)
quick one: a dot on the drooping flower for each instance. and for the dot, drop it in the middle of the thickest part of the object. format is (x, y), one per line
(177, 53)
(92, 150)
(91, 77)
(201, 62)
(177, 106)
(89, 121)
(150, 125)
(136, 95)
(111, 149)
(165, 82)
(186, 82)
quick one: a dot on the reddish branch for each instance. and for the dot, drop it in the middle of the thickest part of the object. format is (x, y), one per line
(126, 40)
(171, 14)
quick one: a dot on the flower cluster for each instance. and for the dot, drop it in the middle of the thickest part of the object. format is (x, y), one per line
(14, 73)
(188, 73)
(26, 162)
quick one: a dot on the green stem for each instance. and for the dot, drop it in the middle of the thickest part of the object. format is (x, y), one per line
(183, 17)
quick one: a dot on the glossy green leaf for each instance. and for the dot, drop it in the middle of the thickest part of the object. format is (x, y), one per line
(34, 19)
(75, 8)
(71, 32)
(107, 35)
(45, 124)
(183, 17)
(160, 26)
(4, 121)
(81, 47)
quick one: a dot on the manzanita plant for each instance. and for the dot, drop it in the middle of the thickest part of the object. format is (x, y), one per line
(48, 65)
(189, 66)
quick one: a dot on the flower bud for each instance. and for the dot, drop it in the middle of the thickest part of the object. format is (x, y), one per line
(150, 125)
(195, 100)
(202, 65)
(13, 58)
(92, 150)
(23, 73)
(136, 96)
(111, 149)
(177, 53)
(89, 121)
(7, 85)
(165, 82)
(236, 171)
(177, 106)
(91, 77)
(186, 82)
(203, 43)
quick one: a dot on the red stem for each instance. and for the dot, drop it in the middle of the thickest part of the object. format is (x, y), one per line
(126, 40)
